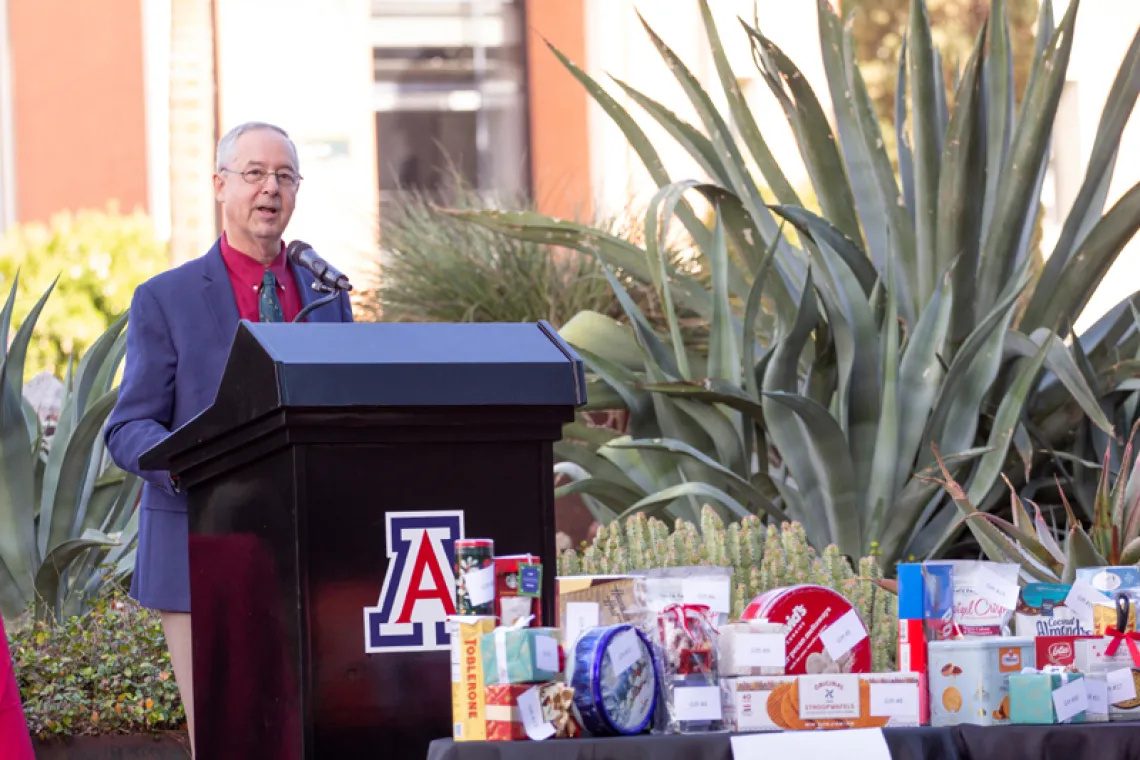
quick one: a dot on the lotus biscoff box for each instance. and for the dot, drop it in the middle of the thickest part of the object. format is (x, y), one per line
(468, 701)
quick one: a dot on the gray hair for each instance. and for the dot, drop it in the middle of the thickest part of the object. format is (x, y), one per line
(228, 143)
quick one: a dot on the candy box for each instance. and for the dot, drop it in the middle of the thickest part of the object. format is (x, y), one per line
(504, 720)
(468, 705)
(1059, 650)
(1041, 611)
(969, 679)
(1109, 579)
(1047, 698)
(752, 648)
(824, 632)
(518, 588)
(520, 655)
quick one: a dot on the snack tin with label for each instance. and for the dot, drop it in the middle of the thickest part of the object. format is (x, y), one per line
(614, 679)
(808, 612)
(969, 679)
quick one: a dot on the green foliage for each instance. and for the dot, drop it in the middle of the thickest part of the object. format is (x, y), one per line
(761, 558)
(67, 514)
(106, 672)
(99, 257)
(903, 323)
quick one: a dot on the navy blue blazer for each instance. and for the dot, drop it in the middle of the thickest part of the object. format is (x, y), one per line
(182, 324)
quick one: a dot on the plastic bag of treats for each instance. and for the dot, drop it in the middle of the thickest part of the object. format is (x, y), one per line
(689, 673)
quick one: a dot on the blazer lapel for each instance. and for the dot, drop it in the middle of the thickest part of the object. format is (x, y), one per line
(219, 295)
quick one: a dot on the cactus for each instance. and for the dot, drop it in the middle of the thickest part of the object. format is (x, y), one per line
(761, 557)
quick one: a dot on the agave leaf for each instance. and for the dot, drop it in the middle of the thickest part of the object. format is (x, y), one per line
(1025, 540)
(959, 202)
(712, 392)
(59, 560)
(902, 142)
(813, 132)
(751, 309)
(610, 249)
(18, 349)
(6, 315)
(1083, 273)
(818, 229)
(925, 81)
(724, 348)
(999, 105)
(742, 116)
(613, 496)
(835, 473)
(94, 366)
(1130, 554)
(656, 502)
(604, 337)
(884, 457)
(655, 234)
(1020, 516)
(1019, 177)
(1080, 552)
(17, 540)
(1009, 411)
(595, 436)
(1045, 535)
(597, 466)
(1061, 363)
(713, 423)
(747, 490)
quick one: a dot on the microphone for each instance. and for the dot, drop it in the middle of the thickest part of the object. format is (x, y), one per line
(303, 255)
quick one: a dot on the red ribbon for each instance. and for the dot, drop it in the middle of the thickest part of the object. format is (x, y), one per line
(1130, 638)
(681, 613)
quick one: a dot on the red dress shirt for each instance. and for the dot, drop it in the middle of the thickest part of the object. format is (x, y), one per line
(245, 276)
(15, 744)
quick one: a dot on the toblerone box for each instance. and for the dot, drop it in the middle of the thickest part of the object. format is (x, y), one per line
(468, 700)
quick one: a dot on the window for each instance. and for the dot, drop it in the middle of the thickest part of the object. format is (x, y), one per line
(450, 97)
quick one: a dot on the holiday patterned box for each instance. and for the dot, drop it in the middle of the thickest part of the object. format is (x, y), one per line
(504, 721)
(520, 655)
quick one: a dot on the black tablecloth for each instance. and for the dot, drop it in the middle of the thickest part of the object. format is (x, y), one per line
(1097, 741)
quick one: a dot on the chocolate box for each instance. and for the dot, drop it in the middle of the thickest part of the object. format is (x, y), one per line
(969, 679)
(1058, 650)
(468, 708)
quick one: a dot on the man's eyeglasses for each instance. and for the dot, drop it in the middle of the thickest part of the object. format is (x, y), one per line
(285, 178)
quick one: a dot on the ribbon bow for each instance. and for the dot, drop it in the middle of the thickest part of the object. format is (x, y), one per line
(1128, 637)
(558, 709)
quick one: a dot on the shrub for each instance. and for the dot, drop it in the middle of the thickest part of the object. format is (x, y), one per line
(107, 672)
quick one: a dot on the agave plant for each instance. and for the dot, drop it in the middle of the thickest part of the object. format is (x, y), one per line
(67, 515)
(904, 321)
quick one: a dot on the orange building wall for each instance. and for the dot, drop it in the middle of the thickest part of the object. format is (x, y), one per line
(78, 105)
(560, 155)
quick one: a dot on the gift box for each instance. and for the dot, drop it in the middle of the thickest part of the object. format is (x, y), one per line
(752, 648)
(520, 655)
(504, 720)
(1032, 700)
(518, 589)
(557, 701)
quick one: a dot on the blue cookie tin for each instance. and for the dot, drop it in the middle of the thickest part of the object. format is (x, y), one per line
(615, 680)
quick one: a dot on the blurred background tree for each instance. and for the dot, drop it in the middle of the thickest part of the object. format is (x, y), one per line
(99, 256)
(879, 29)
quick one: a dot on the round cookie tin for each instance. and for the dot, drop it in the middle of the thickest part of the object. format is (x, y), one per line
(614, 679)
(808, 611)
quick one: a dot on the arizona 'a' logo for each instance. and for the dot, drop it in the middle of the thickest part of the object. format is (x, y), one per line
(419, 586)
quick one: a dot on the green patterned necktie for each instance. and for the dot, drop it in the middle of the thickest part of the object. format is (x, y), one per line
(268, 304)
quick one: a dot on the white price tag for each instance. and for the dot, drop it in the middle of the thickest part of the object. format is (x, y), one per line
(1070, 700)
(1096, 692)
(625, 651)
(1121, 687)
(1081, 599)
(580, 617)
(995, 589)
(760, 650)
(480, 585)
(842, 635)
(715, 593)
(546, 653)
(530, 709)
(894, 700)
(697, 703)
(861, 743)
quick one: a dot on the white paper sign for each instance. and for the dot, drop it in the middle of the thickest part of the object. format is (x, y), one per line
(843, 634)
(625, 651)
(1070, 700)
(995, 589)
(480, 585)
(855, 743)
(580, 616)
(546, 653)
(715, 593)
(760, 650)
(1096, 692)
(530, 709)
(1082, 598)
(894, 700)
(697, 703)
(1121, 687)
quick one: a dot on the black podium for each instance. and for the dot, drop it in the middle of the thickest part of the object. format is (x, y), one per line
(327, 485)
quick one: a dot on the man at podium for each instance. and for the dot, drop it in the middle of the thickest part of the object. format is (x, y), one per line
(182, 325)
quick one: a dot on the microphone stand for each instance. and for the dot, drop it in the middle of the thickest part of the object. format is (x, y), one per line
(331, 292)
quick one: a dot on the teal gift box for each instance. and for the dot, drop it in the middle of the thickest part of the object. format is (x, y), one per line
(1031, 697)
(520, 655)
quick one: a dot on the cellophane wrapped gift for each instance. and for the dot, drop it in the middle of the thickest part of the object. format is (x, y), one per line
(557, 701)
(688, 641)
